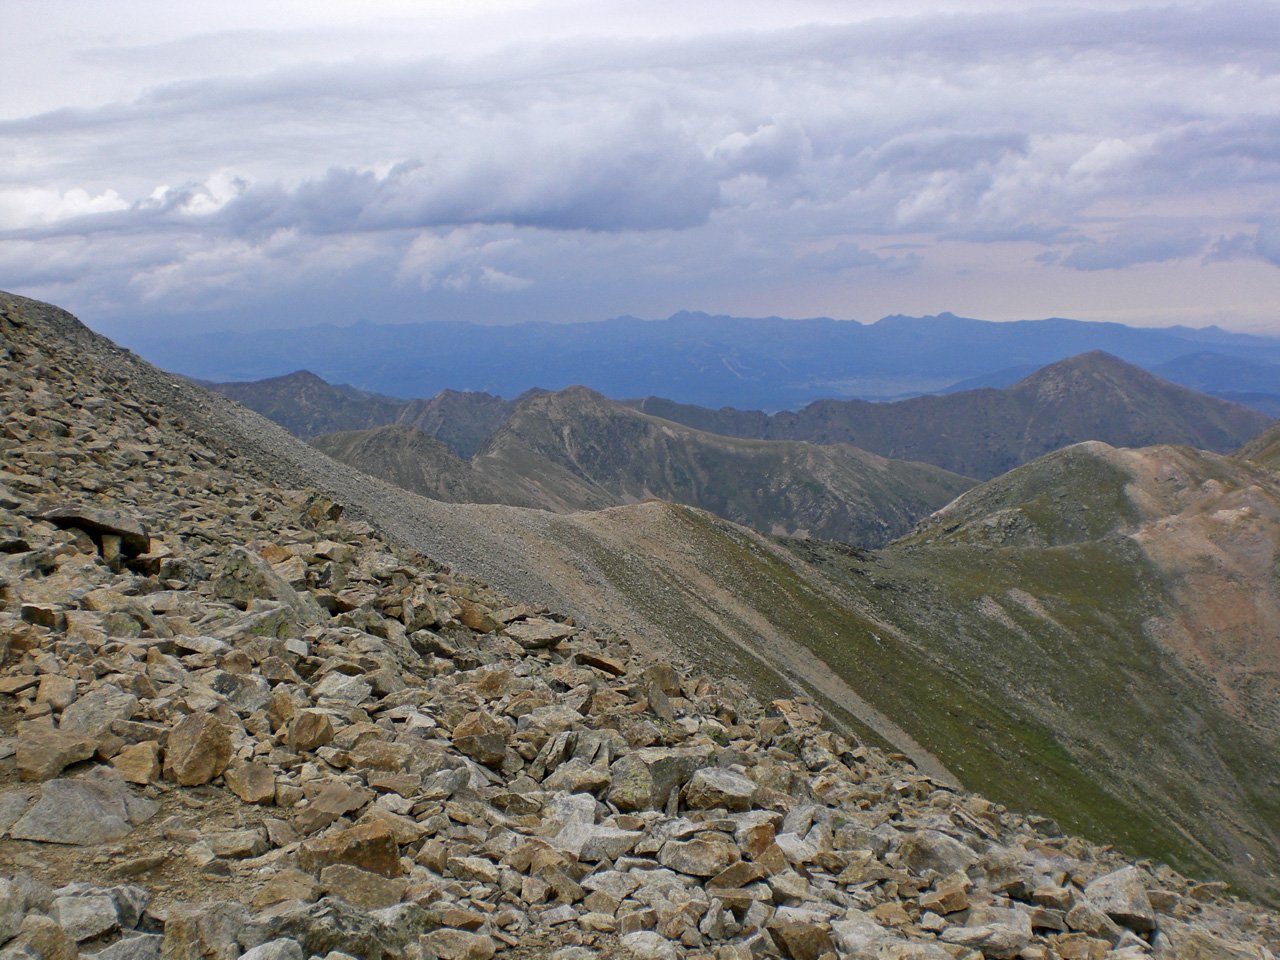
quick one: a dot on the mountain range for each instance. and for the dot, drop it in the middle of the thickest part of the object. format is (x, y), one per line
(749, 363)
(1090, 636)
(977, 433)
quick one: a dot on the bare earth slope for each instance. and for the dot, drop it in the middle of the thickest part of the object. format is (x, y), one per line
(576, 450)
(984, 433)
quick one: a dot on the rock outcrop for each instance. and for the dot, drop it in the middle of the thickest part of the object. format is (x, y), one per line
(272, 733)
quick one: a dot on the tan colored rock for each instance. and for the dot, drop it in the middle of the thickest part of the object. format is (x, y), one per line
(482, 738)
(361, 888)
(930, 850)
(288, 884)
(1122, 896)
(369, 846)
(475, 617)
(43, 752)
(41, 937)
(198, 749)
(891, 914)
(712, 787)
(949, 896)
(802, 941)
(536, 634)
(237, 844)
(737, 875)
(139, 763)
(473, 868)
(251, 782)
(204, 931)
(333, 800)
(132, 534)
(56, 690)
(309, 730)
(457, 945)
(699, 857)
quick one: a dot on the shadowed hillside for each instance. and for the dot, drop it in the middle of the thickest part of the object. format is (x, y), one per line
(575, 450)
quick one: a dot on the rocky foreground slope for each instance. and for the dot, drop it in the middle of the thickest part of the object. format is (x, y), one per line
(238, 724)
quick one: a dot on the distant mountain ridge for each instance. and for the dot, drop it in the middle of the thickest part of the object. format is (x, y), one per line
(307, 406)
(986, 432)
(979, 433)
(764, 363)
(577, 450)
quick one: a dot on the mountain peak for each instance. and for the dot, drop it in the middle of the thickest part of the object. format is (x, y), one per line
(1092, 367)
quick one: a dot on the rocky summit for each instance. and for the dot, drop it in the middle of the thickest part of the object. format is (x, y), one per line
(238, 723)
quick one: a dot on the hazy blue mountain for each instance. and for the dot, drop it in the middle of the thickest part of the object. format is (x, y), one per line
(767, 363)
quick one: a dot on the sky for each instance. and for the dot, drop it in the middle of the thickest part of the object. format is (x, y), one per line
(188, 167)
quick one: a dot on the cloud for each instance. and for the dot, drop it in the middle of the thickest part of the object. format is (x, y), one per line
(846, 256)
(27, 206)
(1134, 243)
(656, 166)
(1263, 244)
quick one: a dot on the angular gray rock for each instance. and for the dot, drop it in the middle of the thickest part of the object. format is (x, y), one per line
(1122, 896)
(83, 812)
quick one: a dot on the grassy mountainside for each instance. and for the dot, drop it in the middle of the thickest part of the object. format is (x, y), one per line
(984, 433)
(1104, 626)
(575, 450)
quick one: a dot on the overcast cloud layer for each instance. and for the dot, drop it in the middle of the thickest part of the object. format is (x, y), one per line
(566, 162)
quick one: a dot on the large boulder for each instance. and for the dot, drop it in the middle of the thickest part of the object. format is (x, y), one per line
(1122, 896)
(645, 779)
(930, 850)
(370, 846)
(43, 752)
(699, 857)
(198, 749)
(97, 522)
(712, 787)
(241, 577)
(83, 812)
(93, 713)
